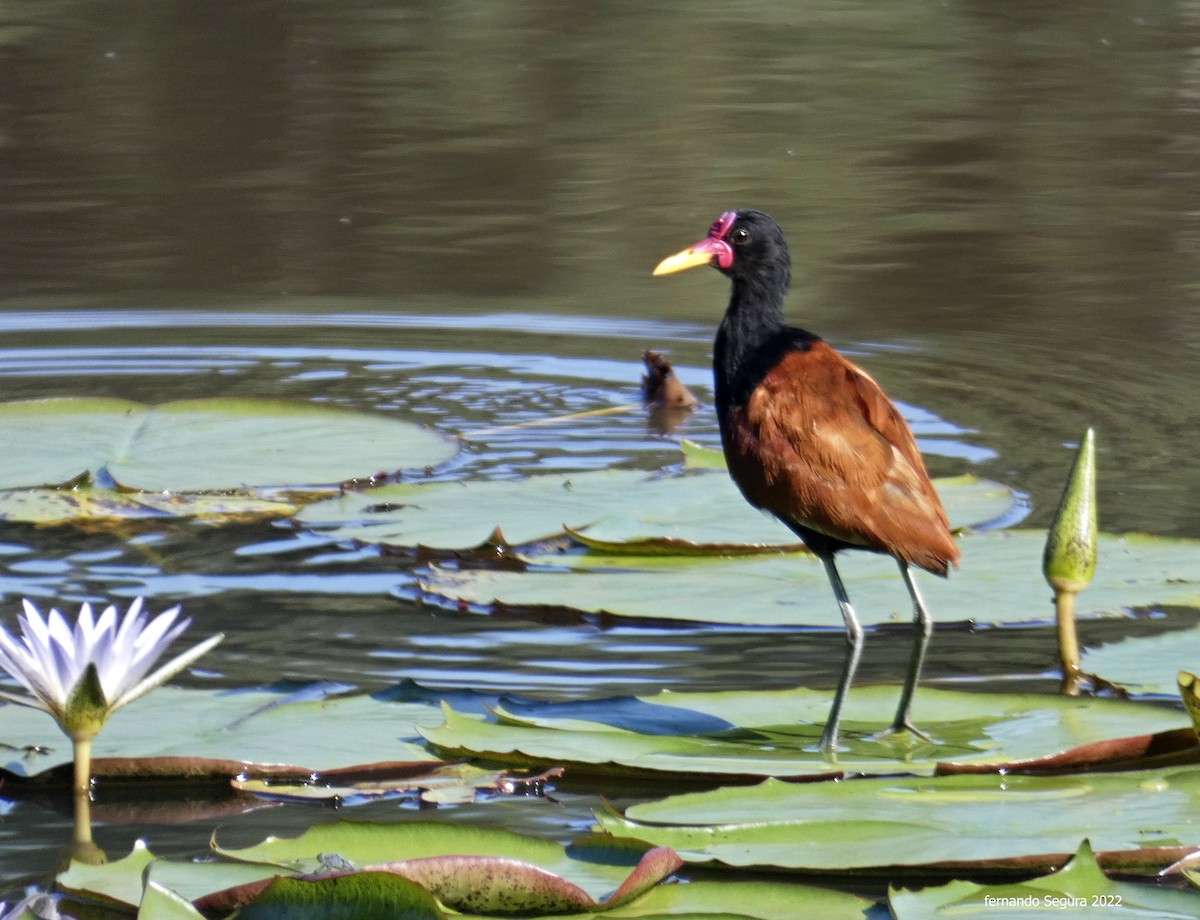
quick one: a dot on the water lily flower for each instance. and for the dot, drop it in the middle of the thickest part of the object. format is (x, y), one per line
(81, 676)
(37, 903)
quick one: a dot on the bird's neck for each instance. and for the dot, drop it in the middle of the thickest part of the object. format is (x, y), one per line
(753, 319)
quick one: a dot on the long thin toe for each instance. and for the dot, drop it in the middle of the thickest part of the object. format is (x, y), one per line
(903, 726)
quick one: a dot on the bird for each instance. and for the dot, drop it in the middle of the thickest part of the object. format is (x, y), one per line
(811, 438)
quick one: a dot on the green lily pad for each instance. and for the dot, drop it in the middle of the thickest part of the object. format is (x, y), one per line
(698, 457)
(124, 881)
(942, 824)
(470, 868)
(758, 900)
(161, 903)
(204, 733)
(205, 444)
(999, 582)
(703, 508)
(775, 733)
(502, 885)
(362, 896)
(1080, 888)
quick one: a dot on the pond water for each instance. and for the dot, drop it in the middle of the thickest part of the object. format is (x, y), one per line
(449, 212)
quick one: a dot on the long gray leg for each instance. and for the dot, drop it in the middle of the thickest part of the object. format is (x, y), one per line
(924, 629)
(854, 647)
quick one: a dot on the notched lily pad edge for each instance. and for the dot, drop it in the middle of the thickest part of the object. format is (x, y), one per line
(1146, 862)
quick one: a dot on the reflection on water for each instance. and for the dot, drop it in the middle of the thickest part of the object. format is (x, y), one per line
(450, 211)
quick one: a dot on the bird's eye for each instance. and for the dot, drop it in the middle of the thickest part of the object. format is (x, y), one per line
(740, 235)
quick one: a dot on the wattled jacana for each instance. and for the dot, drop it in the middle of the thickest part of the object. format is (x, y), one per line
(811, 438)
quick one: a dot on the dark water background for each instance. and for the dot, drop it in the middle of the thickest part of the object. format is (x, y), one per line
(450, 211)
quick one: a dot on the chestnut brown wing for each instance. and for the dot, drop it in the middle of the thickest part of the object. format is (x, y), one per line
(819, 444)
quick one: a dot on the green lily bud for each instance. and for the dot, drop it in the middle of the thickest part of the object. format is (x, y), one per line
(86, 710)
(1189, 691)
(1070, 558)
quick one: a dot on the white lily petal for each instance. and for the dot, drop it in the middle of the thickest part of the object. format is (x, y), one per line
(144, 662)
(50, 658)
(155, 640)
(29, 680)
(70, 659)
(30, 701)
(153, 632)
(168, 670)
(34, 631)
(59, 629)
(32, 614)
(48, 666)
(85, 626)
(106, 626)
(15, 660)
(131, 626)
(11, 656)
(106, 655)
(28, 669)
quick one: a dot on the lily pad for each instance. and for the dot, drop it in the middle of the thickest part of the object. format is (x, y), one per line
(944, 824)
(161, 903)
(775, 733)
(440, 784)
(1080, 888)
(180, 731)
(758, 900)
(205, 444)
(999, 582)
(1145, 664)
(98, 504)
(361, 896)
(482, 885)
(610, 506)
(570, 879)
(124, 881)
(488, 873)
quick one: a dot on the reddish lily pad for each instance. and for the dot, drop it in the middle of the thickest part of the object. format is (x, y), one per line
(494, 885)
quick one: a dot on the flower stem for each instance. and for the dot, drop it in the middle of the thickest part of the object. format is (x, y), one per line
(1068, 642)
(83, 764)
(538, 422)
